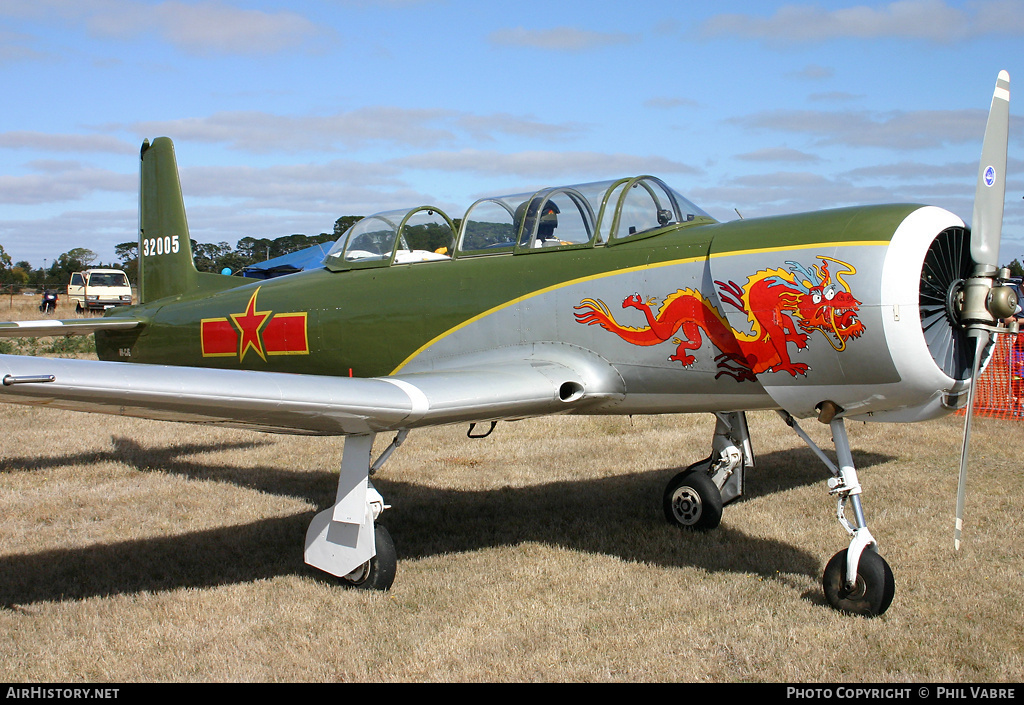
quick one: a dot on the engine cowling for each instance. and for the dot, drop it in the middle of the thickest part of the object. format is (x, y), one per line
(865, 311)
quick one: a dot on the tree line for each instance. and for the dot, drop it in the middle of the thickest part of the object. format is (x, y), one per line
(208, 257)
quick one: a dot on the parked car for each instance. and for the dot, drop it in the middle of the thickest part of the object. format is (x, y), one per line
(99, 289)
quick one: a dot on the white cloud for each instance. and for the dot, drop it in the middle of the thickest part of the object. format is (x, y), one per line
(909, 172)
(255, 131)
(205, 27)
(814, 72)
(931, 20)
(778, 154)
(61, 182)
(24, 139)
(484, 127)
(14, 48)
(290, 187)
(903, 130)
(570, 39)
(665, 103)
(782, 192)
(544, 164)
(833, 97)
(421, 128)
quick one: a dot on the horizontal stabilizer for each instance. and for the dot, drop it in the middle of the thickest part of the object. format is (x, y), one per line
(74, 326)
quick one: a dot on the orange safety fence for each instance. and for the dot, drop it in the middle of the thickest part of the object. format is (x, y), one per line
(1000, 391)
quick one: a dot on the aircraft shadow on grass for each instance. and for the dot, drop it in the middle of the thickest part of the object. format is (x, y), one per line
(619, 516)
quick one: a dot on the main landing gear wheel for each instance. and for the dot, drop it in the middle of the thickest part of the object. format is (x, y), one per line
(378, 573)
(870, 596)
(692, 501)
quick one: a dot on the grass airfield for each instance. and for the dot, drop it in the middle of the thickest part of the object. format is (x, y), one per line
(135, 551)
(147, 551)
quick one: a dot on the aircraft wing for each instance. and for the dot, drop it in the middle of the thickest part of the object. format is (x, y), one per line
(512, 387)
(73, 326)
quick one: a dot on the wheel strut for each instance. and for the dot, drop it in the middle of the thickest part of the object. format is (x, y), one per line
(694, 498)
(857, 579)
(345, 539)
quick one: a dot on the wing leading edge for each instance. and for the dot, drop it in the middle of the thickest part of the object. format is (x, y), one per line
(74, 326)
(313, 404)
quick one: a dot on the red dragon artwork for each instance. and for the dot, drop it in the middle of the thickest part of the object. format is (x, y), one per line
(782, 306)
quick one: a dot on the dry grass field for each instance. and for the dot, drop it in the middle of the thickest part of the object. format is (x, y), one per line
(144, 551)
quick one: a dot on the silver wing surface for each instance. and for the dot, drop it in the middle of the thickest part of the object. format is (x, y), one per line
(522, 382)
(73, 326)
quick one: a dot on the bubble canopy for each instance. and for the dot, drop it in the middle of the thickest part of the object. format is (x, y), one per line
(602, 213)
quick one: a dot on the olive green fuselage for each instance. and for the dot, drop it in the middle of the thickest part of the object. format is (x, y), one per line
(376, 321)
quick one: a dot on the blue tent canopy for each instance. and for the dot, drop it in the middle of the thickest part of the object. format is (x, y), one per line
(310, 258)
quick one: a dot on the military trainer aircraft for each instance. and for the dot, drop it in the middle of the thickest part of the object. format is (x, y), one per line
(618, 297)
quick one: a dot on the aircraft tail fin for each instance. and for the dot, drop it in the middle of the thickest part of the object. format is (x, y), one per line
(166, 267)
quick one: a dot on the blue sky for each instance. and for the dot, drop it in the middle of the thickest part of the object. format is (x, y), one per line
(287, 115)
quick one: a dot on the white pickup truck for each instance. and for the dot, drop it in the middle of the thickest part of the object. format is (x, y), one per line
(99, 289)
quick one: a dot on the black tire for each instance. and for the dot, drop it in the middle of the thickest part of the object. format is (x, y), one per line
(873, 592)
(692, 501)
(378, 573)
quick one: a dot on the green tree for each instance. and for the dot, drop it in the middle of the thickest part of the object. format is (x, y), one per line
(344, 223)
(18, 276)
(253, 250)
(6, 272)
(128, 255)
(26, 269)
(74, 260)
(207, 256)
(286, 244)
(127, 251)
(1016, 268)
(232, 260)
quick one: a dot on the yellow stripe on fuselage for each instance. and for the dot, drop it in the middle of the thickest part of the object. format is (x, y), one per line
(616, 272)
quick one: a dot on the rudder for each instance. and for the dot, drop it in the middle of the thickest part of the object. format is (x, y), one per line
(166, 267)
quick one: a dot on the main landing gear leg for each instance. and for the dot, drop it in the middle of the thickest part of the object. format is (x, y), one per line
(345, 540)
(857, 580)
(694, 498)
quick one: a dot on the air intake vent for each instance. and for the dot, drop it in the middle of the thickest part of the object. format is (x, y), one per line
(946, 265)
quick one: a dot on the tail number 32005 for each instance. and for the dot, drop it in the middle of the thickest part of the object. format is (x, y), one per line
(167, 245)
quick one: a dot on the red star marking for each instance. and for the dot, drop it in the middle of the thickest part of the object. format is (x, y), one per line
(249, 325)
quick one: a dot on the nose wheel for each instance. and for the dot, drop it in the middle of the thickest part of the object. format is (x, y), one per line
(856, 580)
(872, 591)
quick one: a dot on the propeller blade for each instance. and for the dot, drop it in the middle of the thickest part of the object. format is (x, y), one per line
(990, 193)
(981, 340)
(986, 232)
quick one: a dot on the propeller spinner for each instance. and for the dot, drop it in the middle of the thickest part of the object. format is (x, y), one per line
(983, 299)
